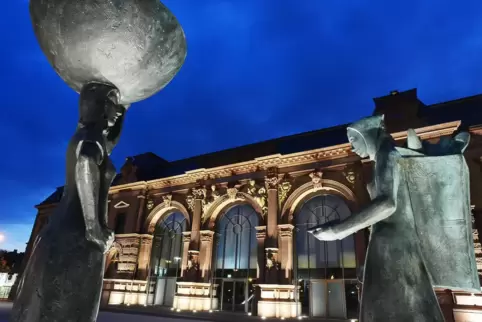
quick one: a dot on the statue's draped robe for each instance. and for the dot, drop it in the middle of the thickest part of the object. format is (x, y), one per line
(425, 243)
(63, 279)
(439, 190)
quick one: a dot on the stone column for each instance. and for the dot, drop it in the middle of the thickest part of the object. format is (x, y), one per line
(144, 258)
(206, 255)
(285, 254)
(186, 240)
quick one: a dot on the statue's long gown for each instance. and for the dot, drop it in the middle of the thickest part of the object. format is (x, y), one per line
(396, 284)
(62, 281)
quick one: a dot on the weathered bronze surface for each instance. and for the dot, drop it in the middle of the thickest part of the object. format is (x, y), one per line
(114, 52)
(421, 227)
(136, 45)
(63, 278)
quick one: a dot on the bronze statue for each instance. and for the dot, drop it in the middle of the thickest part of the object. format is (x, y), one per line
(64, 275)
(420, 204)
(114, 53)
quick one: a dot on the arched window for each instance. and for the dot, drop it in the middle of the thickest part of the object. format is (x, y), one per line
(236, 253)
(167, 245)
(317, 259)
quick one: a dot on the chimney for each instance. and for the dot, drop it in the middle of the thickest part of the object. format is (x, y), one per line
(401, 110)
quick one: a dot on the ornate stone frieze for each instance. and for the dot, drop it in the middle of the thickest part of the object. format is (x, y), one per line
(288, 160)
(284, 189)
(167, 199)
(259, 195)
(316, 178)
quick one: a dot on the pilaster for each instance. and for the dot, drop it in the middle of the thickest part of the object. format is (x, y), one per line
(285, 253)
(186, 239)
(206, 254)
(144, 257)
(260, 237)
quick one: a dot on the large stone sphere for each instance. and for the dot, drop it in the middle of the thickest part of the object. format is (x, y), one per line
(136, 45)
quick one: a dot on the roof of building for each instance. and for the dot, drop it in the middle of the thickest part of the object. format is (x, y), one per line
(468, 110)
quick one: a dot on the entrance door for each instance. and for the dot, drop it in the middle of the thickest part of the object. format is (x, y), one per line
(235, 296)
(327, 299)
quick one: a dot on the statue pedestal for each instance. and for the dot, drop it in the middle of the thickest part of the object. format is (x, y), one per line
(127, 292)
(192, 296)
(278, 301)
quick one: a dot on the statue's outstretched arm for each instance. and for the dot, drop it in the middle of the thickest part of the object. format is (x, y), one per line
(87, 179)
(380, 208)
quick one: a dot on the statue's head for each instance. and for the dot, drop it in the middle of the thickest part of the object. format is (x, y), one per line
(99, 103)
(365, 136)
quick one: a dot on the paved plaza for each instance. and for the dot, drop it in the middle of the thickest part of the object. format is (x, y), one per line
(107, 316)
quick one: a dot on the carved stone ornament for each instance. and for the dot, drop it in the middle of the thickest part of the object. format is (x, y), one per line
(232, 192)
(259, 195)
(271, 182)
(199, 193)
(212, 196)
(167, 199)
(190, 202)
(283, 190)
(150, 204)
(350, 176)
(316, 178)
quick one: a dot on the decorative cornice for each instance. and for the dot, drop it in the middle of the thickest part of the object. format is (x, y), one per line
(282, 161)
(277, 160)
(128, 186)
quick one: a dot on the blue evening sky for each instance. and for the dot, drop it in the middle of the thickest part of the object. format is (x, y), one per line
(256, 69)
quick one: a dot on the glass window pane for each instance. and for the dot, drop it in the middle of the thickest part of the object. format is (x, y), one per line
(312, 254)
(237, 247)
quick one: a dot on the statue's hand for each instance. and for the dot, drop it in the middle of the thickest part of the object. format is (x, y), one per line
(101, 238)
(324, 232)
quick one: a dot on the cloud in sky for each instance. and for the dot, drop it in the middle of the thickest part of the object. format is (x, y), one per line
(255, 70)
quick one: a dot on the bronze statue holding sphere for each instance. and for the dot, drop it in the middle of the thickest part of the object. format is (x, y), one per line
(114, 53)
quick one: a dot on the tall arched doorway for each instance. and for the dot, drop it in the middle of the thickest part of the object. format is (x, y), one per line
(236, 260)
(325, 271)
(166, 254)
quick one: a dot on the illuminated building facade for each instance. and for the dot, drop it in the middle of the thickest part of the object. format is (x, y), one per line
(227, 230)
